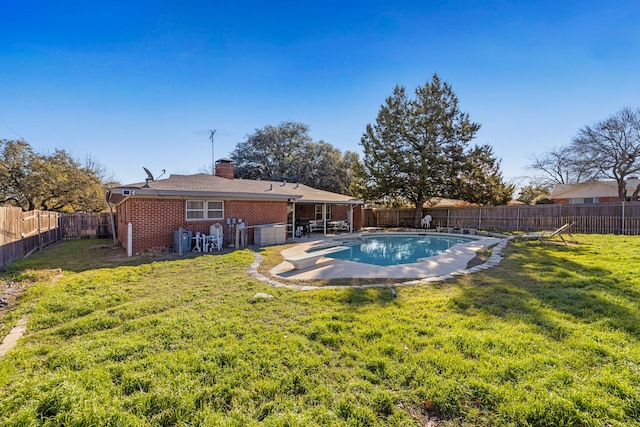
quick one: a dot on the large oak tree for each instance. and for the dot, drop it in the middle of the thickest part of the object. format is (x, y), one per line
(54, 182)
(287, 152)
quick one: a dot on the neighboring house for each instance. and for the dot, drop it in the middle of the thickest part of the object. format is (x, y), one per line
(591, 192)
(455, 203)
(438, 202)
(156, 209)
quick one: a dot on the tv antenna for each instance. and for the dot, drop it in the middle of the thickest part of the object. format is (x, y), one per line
(213, 160)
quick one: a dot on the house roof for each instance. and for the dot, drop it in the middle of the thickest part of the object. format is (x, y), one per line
(456, 203)
(211, 186)
(592, 189)
(439, 202)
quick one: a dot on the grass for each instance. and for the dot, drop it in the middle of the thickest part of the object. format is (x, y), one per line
(548, 337)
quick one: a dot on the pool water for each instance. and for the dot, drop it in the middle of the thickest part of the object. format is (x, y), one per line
(397, 249)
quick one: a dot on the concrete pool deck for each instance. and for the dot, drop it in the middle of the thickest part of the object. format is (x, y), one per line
(453, 262)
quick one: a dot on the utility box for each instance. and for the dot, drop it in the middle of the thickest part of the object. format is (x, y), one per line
(270, 234)
(187, 237)
(281, 233)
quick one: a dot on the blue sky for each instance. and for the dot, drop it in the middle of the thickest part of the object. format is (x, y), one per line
(140, 83)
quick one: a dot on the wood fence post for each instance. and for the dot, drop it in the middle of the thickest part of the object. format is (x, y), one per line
(39, 231)
(559, 224)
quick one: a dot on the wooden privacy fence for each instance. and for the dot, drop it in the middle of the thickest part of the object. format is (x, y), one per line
(22, 233)
(85, 225)
(608, 218)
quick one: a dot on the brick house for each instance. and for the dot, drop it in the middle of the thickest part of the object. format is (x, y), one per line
(591, 192)
(157, 208)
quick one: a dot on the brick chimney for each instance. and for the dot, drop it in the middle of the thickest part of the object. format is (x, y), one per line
(224, 168)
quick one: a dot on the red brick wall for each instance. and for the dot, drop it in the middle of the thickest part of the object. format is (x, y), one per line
(357, 217)
(600, 200)
(154, 220)
(608, 200)
(256, 213)
(305, 211)
(224, 169)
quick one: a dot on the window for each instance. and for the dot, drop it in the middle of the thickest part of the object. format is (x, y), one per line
(205, 209)
(195, 209)
(319, 213)
(584, 200)
(215, 210)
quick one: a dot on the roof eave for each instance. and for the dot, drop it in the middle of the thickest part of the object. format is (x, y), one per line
(334, 202)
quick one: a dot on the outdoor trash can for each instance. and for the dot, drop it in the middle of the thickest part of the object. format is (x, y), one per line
(187, 238)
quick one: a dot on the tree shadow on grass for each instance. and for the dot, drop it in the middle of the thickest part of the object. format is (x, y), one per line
(533, 279)
(359, 297)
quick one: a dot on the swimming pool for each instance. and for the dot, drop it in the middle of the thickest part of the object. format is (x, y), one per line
(394, 249)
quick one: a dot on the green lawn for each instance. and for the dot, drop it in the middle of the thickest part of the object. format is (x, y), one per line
(550, 337)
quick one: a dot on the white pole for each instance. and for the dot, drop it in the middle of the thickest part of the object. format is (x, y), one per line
(293, 220)
(324, 217)
(129, 240)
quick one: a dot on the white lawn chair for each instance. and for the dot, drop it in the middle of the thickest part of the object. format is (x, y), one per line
(199, 241)
(215, 237)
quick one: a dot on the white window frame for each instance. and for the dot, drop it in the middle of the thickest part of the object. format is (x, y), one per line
(584, 200)
(205, 211)
(319, 213)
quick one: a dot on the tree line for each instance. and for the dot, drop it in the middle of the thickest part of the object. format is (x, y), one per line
(286, 152)
(52, 182)
(417, 151)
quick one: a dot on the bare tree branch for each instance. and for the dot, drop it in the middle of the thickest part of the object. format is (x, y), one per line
(611, 148)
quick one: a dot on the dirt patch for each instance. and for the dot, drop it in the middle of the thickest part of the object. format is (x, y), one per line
(90, 248)
(481, 257)
(421, 413)
(9, 294)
